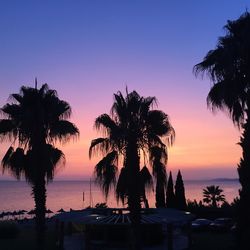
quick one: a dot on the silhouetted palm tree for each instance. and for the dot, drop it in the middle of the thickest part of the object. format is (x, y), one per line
(35, 119)
(131, 130)
(212, 195)
(228, 67)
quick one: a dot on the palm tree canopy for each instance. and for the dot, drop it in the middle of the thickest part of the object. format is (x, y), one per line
(213, 194)
(131, 116)
(36, 113)
(227, 66)
(35, 118)
(212, 190)
(20, 164)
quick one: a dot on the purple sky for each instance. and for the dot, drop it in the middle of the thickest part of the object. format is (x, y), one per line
(88, 50)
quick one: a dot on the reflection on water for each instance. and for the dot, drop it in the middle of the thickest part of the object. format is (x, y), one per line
(15, 195)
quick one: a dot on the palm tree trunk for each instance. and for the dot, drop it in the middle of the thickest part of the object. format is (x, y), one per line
(39, 193)
(39, 187)
(133, 166)
(244, 178)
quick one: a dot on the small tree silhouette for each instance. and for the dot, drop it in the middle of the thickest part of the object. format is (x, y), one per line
(213, 195)
(170, 196)
(180, 193)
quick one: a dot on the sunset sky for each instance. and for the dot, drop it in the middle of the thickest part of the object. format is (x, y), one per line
(88, 50)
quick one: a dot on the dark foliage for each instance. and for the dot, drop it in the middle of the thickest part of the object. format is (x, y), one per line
(35, 119)
(244, 178)
(158, 158)
(131, 130)
(228, 68)
(170, 196)
(180, 192)
(101, 205)
(213, 195)
(8, 230)
(146, 184)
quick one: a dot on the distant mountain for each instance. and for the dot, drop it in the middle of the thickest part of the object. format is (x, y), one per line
(225, 179)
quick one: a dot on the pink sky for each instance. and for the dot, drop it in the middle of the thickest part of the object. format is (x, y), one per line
(88, 51)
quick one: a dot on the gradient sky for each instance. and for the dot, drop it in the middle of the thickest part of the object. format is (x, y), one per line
(88, 50)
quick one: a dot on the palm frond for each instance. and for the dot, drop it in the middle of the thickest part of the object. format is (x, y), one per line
(8, 129)
(105, 123)
(99, 145)
(43, 91)
(53, 158)
(224, 96)
(63, 131)
(119, 110)
(59, 108)
(16, 98)
(154, 140)
(46, 163)
(158, 154)
(158, 123)
(146, 180)
(150, 101)
(105, 172)
(11, 111)
(6, 159)
(122, 186)
(14, 162)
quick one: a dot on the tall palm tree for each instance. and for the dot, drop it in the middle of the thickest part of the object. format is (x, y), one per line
(131, 130)
(212, 195)
(228, 67)
(35, 119)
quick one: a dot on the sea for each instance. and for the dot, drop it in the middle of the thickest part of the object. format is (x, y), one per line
(16, 195)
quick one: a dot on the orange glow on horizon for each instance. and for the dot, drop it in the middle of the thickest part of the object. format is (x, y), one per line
(205, 142)
(197, 146)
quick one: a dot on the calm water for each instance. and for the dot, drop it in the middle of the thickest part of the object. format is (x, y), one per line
(69, 194)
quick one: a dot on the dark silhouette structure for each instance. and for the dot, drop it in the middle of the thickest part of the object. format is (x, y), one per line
(36, 119)
(228, 67)
(170, 196)
(212, 195)
(131, 129)
(180, 193)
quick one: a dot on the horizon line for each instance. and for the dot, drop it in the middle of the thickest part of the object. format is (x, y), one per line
(77, 180)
